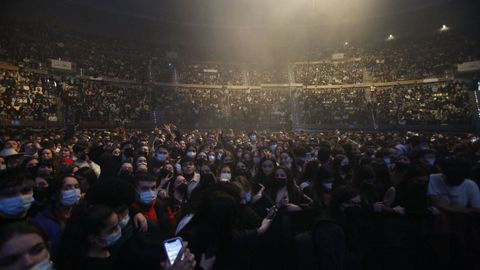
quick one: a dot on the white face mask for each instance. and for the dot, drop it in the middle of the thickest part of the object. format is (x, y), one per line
(191, 154)
(211, 158)
(124, 222)
(111, 239)
(178, 167)
(43, 265)
(225, 177)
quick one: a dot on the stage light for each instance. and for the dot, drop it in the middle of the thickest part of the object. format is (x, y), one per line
(390, 37)
(444, 28)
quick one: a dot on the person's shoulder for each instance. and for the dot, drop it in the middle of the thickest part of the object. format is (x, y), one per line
(469, 183)
(436, 177)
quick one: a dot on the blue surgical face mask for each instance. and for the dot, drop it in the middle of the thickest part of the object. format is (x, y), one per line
(16, 206)
(273, 147)
(430, 161)
(387, 161)
(147, 197)
(124, 222)
(71, 197)
(248, 197)
(112, 238)
(328, 184)
(161, 157)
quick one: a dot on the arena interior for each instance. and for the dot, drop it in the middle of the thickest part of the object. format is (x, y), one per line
(250, 134)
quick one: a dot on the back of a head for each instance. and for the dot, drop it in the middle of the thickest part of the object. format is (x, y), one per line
(144, 251)
(455, 170)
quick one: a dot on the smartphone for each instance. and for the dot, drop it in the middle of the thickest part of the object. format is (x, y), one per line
(272, 212)
(173, 247)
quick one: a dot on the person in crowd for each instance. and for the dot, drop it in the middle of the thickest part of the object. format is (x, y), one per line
(308, 175)
(23, 245)
(148, 203)
(88, 234)
(188, 170)
(81, 151)
(66, 193)
(16, 196)
(225, 174)
(451, 190)
(284, 193)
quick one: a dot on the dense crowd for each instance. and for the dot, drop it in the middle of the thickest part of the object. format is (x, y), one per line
(33, 96)
(107, 199)
(33, 46)
(445, 103)
(27, 96)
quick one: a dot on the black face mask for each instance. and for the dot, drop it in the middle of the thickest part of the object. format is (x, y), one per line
(41, 194)
(200, 162)
(143, 154)
(182, 188)
(83, 156)
(243, 172)
(125, 173)
(33, 170)
(280, 182)
(128, 152)
(163, 173)
(401, 166)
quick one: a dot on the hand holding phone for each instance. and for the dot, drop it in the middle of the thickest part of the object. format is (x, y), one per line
(172, 248)
(184, 260)
(272, 212)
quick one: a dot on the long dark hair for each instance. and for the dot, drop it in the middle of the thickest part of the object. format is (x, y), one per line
(261, 178)
(86, 220)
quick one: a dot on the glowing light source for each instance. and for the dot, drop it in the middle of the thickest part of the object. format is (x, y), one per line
(346, 43)
(390, 37)
(444, 28)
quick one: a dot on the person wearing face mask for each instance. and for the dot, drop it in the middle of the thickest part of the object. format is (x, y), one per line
(159, 159)
(23, 245)
(426, 158)
(284, 193)
(211, 157)
(88, 235)
(126, 171)
(16, 196)
(191, 152)
(119, 196)
(66, 194)
(147, 203)
(321, 188)
(41, 194)
(177, 195)
(242, 170)
(81, 151)
(225, 174)
(189, 171)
